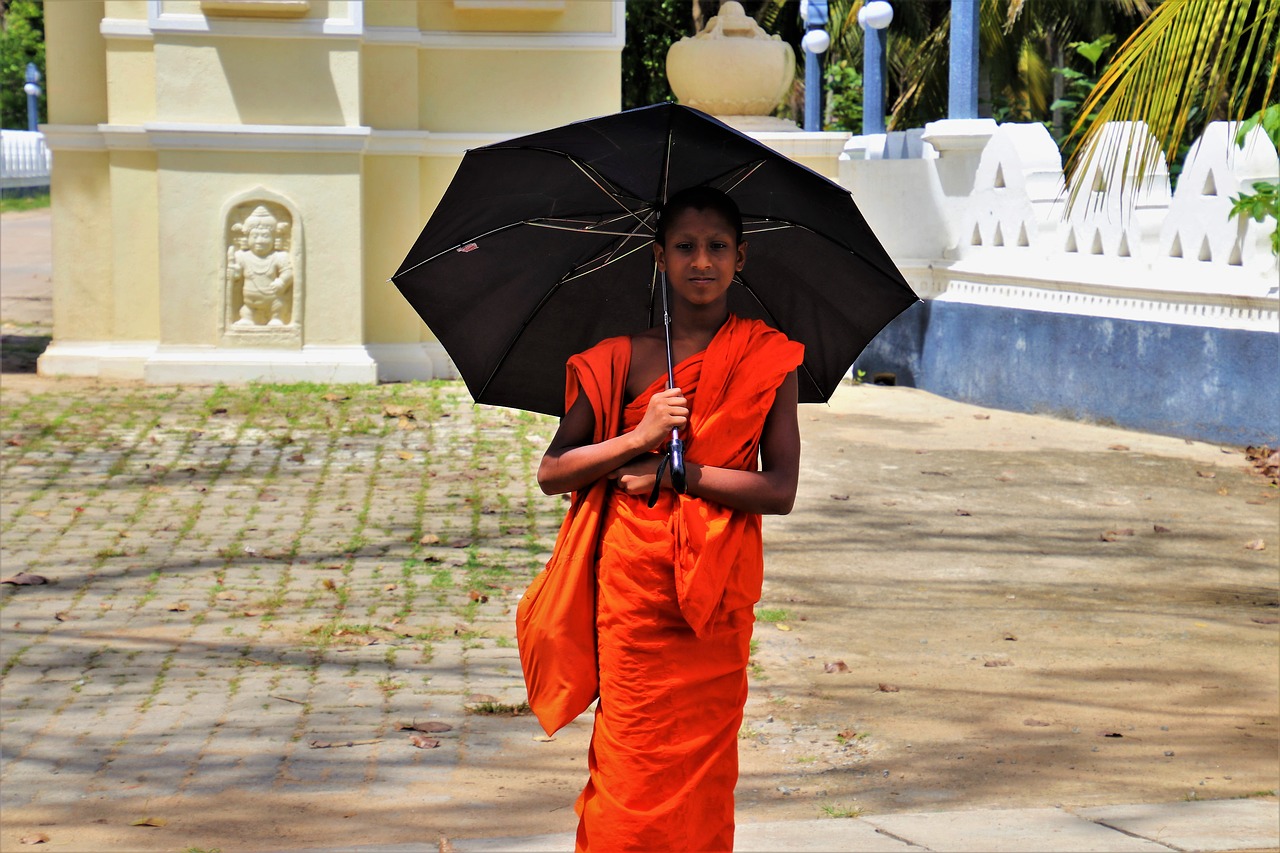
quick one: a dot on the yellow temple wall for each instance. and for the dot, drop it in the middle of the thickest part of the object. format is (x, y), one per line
(179, 126)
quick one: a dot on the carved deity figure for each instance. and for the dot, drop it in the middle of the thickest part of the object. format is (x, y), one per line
(259, 263)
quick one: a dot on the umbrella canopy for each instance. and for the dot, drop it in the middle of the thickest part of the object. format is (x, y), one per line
(540, 248)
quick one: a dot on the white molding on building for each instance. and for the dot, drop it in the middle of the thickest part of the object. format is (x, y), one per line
(160, 22)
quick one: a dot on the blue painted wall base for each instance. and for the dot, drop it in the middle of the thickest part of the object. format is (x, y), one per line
(1218, 385)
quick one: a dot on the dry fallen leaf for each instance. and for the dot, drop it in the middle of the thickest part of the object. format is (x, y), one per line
(330, 584)
(429, 539)
(889, 688)
(424, 742)
(297, 457)
(782, 626)
(839, 497)
(1256, 545)
(388, 587)
(1118, 447)
(397, 411)
(405, 455)
(836, 666)
(982, 417)
(847, 734)
(149, 821)
(964, 512)
(1160, 528)
(1113, 535)
(478, 596)
(544, 738)
(1032, 721)
(998, 662)
(64, 616)
(1208, 475)
(25, 579)
(35, 838)
(446, 846)
(1109, 734)
(180, 607)
(335, 398)
(429, 727)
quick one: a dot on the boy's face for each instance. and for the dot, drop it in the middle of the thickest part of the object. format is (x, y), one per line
(700, 255)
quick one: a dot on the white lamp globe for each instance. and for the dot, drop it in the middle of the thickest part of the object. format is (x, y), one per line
(816, 41)
(876, 15)
(31, 89)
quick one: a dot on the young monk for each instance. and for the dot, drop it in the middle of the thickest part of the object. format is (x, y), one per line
(676, 582)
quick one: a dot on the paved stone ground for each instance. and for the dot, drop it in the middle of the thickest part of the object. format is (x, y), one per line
(235, 574)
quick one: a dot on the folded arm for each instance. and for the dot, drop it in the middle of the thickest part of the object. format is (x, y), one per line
(769, 491)
(573, 462)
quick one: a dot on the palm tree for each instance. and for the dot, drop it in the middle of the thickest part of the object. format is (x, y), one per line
(1189, 63)
(1021, 45)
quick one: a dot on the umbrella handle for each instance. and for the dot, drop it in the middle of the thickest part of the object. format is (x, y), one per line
(678, 481)
(676, 451)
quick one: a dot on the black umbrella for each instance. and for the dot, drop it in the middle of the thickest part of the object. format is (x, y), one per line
(540, 249)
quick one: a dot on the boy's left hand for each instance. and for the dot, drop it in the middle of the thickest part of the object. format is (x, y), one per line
(636, 477)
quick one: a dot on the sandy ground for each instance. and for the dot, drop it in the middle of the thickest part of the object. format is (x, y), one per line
(1014, 610)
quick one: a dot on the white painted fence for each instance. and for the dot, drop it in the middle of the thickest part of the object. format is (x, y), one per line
(975, 212)
(26, 161)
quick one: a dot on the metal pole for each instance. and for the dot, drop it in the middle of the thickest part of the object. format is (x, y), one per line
(32, 88)
(873, 76)
(962, 97)
(812, 91)
(815, 19)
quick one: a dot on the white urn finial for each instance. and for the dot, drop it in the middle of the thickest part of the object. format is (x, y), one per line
(731, 67)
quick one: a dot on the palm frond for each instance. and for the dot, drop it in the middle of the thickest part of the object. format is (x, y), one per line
(1190, 57)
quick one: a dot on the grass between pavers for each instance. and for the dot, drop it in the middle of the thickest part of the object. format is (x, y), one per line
(291, 524)
(15, 202)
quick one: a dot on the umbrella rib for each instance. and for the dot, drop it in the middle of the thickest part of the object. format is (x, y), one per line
(597, 179)
(580, 230)
(456, 246)
(740, 180)
(613, 258)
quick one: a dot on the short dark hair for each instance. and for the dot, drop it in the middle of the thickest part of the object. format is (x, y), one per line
(699, 198)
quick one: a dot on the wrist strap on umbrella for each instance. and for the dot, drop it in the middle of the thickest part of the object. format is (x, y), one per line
(657, 482)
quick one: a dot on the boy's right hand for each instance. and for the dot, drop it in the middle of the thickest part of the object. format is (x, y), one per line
(667, 410)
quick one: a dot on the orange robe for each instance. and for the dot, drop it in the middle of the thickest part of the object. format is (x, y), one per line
(675, 589)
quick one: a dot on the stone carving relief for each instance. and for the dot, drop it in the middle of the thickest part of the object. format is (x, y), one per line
(261, 275)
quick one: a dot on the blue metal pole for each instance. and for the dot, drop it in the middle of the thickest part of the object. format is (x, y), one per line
(962, 97)
(812, 92)
(815, 18)
(873, 76)
(32, 78)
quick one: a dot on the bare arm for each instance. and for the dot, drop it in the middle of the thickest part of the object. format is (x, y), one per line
(769, 491)
(573, 462)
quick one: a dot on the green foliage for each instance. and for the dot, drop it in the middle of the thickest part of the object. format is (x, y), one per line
(35, 201)
(1269, 118)
(652, 27)
(1264, 201)
(1078, 84)
(21, 41)
(844, 97)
